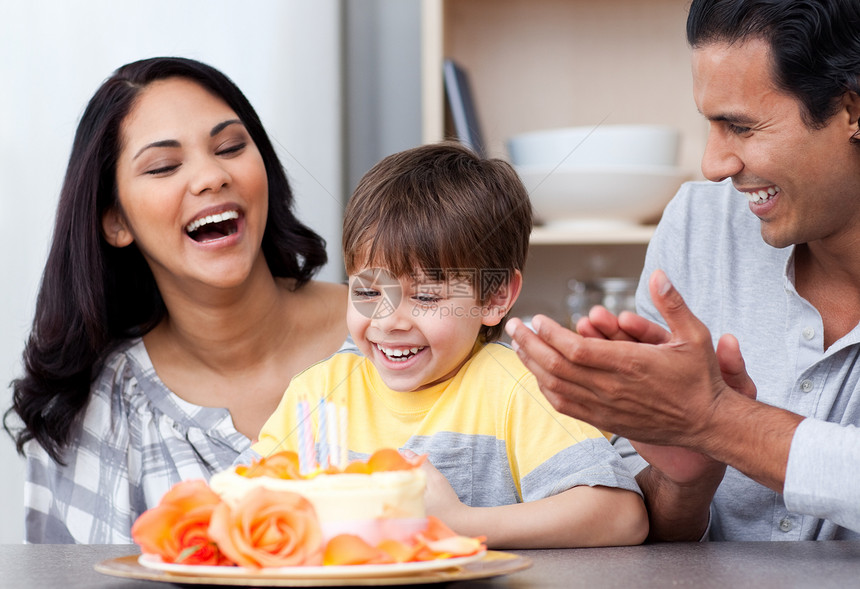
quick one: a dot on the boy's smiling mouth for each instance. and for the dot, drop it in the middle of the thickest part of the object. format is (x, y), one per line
(399, 354)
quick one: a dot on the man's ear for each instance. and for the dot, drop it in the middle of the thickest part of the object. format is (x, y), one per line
(501, 301)
(115, 228)
(852, 108)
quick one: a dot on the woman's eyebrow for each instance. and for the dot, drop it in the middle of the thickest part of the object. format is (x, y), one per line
(174, 143)
(162, 143)
(221, 126)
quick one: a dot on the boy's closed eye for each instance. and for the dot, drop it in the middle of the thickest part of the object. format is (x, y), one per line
(365, 293)
(426, 298)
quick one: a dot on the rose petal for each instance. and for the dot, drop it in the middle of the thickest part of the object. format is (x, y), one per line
(152, 530)
(443, 542)
(188, 494)
(437, 530)
(282, 465)
(456, 546)
(348, 549)
(388, 459)
(398, 551)
(357, 467)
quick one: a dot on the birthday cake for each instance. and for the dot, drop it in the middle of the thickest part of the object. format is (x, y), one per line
(376, 500)
(272, 514)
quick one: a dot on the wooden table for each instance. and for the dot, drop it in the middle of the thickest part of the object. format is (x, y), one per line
(819, 565)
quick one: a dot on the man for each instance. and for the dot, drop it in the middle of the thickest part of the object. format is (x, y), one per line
(769, 252)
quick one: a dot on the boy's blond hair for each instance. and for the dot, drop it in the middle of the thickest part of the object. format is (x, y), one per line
(440, 208)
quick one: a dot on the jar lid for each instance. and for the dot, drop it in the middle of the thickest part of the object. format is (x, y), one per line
(612, 284)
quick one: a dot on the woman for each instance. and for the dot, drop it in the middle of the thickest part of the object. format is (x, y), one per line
(175, 307)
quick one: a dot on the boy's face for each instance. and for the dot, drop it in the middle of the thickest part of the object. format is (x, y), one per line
(417, 330)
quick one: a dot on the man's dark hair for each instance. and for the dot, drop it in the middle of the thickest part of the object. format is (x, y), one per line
(814, 44)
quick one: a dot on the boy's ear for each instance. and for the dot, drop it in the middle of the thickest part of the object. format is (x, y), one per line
(115, 229)
(501, 301)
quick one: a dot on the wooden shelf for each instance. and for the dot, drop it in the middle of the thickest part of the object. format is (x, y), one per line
(541, 64)
(634, 234)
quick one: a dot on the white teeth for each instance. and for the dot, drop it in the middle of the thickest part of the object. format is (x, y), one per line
(399, 355)
(217, 218)
(760, 196)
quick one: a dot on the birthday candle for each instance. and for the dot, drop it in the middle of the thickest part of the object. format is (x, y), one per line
(334, 449)
(322, 439)
(303, 426)
(308, 441)
(343, 437)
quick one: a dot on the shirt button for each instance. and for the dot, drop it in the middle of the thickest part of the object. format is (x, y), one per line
(785, 524)
(808, 333)
(806, 385)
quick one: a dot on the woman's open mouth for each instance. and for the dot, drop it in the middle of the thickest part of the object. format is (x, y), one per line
(212, 227)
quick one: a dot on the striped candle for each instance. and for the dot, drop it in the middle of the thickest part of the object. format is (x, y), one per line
(302, 427)
(343, 437)
(332, 440)
(322, 439)
(306, 444)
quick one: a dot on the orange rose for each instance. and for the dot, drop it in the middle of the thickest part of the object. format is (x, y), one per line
(268, 529)
(176, 529)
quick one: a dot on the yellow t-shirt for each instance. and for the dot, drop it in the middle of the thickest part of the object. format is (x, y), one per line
(488, 429)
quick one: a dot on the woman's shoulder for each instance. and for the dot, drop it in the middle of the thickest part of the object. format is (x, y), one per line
(331, 292)
(125, 378)
(128, 360)
(316, 296)
(129, 383)
(129, 398)
(315, 287)
(319, 307)
(335, 288)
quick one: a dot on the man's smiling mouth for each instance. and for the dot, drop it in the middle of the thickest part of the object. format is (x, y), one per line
(760, 197)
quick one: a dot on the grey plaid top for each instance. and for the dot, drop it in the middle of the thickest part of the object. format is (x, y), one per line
(135, 440)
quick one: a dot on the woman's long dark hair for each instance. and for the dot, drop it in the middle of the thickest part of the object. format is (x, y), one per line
(814, 44)
(93, 295)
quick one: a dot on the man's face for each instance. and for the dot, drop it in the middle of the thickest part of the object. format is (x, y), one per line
(803, 183)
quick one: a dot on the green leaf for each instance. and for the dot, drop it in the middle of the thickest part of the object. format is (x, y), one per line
(187, 552)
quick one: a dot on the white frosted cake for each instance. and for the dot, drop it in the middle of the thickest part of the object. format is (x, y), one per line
(375, 506)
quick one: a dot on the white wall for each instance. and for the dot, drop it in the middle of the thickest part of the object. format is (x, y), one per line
(284, 54)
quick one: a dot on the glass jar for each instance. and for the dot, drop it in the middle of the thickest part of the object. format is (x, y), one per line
(616, 294)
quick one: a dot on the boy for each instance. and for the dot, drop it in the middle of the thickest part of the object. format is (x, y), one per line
(434, 241)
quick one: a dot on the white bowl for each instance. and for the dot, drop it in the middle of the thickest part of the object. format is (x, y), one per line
(600, 145)
(567, 197)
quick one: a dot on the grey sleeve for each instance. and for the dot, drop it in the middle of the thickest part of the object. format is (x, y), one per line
(821, 477)
(592, 462)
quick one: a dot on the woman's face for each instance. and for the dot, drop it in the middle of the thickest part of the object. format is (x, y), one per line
(192, 186)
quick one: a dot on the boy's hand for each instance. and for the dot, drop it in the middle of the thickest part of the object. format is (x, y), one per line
(440, 498)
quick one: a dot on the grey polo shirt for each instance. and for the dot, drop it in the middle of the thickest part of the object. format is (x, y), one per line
(710, 246)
